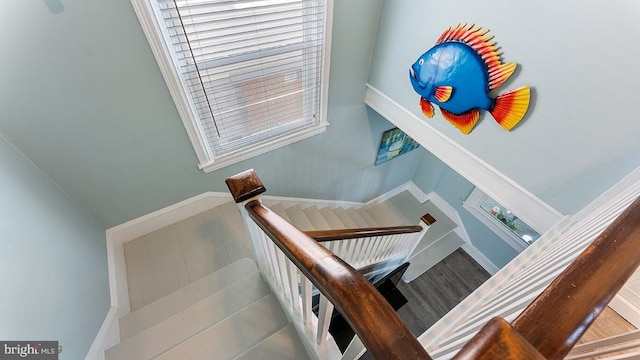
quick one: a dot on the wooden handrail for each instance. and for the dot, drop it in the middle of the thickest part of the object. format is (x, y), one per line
(547, 329)
(498, 340)
(555, 320)
(367, 312)
(344, 234)
(573, 301)
(357, 233)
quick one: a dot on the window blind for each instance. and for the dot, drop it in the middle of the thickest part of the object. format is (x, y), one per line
(252, 69)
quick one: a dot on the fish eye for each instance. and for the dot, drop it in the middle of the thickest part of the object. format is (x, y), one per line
(421, 61)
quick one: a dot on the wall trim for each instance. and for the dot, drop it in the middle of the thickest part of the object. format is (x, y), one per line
(480, 258)
(627, 309)
(171, 214)
(492, 182)
(306, 202)
(108, 335)
(468, 247)
(453, 214)
(409, 186)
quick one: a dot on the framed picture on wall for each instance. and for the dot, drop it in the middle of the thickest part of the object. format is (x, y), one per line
(394, 143)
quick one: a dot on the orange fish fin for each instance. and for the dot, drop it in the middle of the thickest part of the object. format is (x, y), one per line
(443, 93)
(510, 107)
(464, 122)
(427, 108)
(476, 37)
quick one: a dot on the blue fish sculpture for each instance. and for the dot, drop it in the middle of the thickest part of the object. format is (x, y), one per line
(458, 73)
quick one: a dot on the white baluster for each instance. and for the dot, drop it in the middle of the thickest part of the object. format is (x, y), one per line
(324, 319)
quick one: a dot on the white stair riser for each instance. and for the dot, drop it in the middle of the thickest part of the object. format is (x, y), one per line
(234, 335)
(179, 300)
(183, 325)
(283, 345)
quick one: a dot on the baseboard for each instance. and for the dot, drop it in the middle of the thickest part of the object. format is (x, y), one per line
(417, 192)
(626, 309)
(117, 236)
(290, 201)
(108, 335)
(479, 257)
(431, 255)
(451, 212)
(408, 186)
(135, 228)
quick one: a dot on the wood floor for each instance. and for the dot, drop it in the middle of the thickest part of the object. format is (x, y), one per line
(440, 289)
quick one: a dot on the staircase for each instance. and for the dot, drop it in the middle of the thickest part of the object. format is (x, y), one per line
(442, 239)
(231, 313)
(238, 312)
(309, 216)
(228, 314)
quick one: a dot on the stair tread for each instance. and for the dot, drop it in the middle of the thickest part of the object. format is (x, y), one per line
(443, 226)
(181, 326)
(234, 335)
(282, 345)
(386, 215)
(355, 216)
(317, 220)
(331, 218)
(298, 218)
(423, 261)
(184, 297)
(365, 215)
(345, 218)
(279, 209)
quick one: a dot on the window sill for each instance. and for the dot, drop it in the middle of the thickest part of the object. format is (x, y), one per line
(472, 204)
(245, 154)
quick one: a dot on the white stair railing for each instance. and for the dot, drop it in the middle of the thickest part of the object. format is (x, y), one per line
(516, 285)
(295, 291)
(623, 346)
(289, 258)
(377, 256)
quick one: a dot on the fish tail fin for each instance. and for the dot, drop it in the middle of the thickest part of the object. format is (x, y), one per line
(510, 107)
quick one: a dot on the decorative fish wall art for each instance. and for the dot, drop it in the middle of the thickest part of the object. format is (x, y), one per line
(458, 73)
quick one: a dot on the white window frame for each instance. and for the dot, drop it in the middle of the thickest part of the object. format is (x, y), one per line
(472, 204)
(208, 162)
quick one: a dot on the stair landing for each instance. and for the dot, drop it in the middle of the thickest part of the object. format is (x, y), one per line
(173, 257)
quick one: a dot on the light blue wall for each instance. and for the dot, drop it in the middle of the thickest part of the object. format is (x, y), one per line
(84, 99)
(432, 175)
(580, 57)
(53, 261)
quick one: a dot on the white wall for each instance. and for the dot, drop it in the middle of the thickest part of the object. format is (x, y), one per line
(581, 134)
(53, 261)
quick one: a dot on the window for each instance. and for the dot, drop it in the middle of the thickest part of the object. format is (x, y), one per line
(246, 76)
(500, 220)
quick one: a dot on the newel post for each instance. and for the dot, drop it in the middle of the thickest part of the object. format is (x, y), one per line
(425, 221)
(245, 185)
(428, 219)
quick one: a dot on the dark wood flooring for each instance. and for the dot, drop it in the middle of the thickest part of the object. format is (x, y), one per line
(439, 290)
